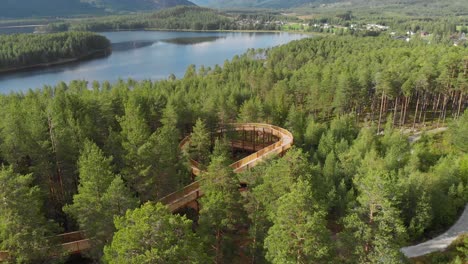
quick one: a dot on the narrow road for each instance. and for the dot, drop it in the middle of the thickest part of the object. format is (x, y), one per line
(441, 242)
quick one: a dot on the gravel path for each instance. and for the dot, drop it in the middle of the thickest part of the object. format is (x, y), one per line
(417, 136)
(441, 242)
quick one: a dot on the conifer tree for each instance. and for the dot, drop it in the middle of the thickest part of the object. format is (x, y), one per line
(24, 231)
(101, 196)
(251, 111)
(299, 233)
(199, 147)
(139, 152)
(374, 231)
(169, 168)
(152, 234)
(222, 209)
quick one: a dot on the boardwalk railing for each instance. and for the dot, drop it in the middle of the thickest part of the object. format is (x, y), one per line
(72, 243)
(76, 242)
(192, 192)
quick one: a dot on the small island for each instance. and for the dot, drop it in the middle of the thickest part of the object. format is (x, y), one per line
(27, 51)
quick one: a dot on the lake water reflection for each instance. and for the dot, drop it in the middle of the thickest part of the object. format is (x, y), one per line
(149, 55)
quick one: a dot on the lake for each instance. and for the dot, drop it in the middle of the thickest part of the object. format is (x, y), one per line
(149, 55)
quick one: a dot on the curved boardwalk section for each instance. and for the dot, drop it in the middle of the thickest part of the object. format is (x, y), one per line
(441, 242)
(192, 192)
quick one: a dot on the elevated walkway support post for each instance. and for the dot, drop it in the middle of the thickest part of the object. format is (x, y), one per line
(263, 136)
(254, 136)
(245, 137)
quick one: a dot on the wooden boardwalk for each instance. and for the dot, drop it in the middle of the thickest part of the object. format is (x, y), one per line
(76, 242)
(192, 192)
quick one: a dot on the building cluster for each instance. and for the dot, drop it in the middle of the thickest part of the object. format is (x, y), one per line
(255, 22)
(352, 27)
(376, 27)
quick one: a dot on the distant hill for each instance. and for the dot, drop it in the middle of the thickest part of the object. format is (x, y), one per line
(35, 8)
(327, 3)
(39, 8)
(258, 3)
(136, 5)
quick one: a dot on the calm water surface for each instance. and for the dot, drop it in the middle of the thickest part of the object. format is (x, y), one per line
(149, 55)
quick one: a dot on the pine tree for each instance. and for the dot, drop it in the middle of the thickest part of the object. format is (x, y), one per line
(251, 111)
(221, 207)
(422, 217)
(296, 122)
(269, 182)
(374, 231)
(221, 148)
(152, 234)
(24, 231)
(169, 168)
(139, 152)
(299, 233)
(459, 133)
(101, 196)
(199, 147)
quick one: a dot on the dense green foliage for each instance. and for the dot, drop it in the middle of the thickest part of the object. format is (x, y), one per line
(181, 17)
(372, 192)
(152, 234)
(101, 196)
(221, 214)
(24, 231)
(23, 50)
(373, 188)
(298, 233)
(136, 5)
(200, 144)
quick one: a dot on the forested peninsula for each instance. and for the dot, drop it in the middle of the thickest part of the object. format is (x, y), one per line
(24, 51)
(353, 189)
(176, 18)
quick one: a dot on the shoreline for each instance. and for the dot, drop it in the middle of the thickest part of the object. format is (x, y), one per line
(226, 30)
(108, 51)
(90, 55)
(215, 30)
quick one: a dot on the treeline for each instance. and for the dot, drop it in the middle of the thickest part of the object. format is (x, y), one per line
(93, 153)
(372, 77)
(177, 18)
(23, 50)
